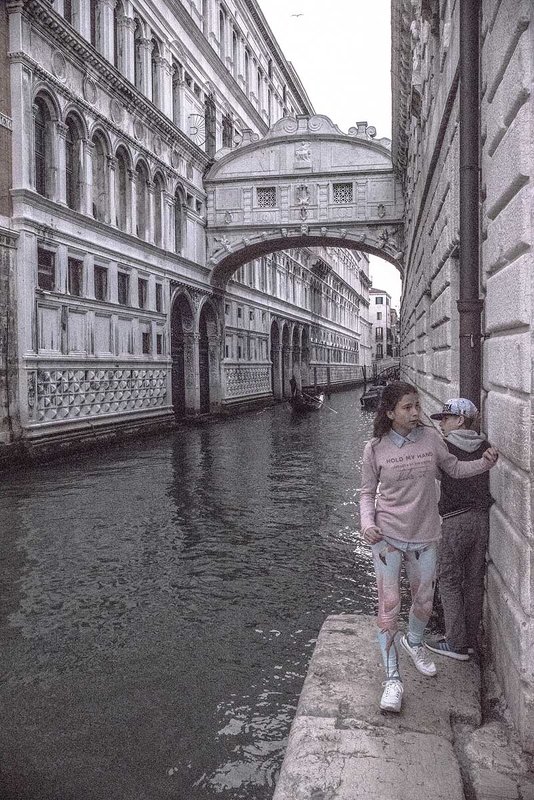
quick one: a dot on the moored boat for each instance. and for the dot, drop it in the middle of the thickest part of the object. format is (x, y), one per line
(371, 398)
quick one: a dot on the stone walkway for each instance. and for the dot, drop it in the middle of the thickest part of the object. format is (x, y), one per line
(342, 747)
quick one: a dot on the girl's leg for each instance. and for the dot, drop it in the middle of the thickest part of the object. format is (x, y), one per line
(387, 562)
(421, 571)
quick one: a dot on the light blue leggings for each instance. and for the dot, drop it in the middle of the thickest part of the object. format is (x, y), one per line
(420, 569)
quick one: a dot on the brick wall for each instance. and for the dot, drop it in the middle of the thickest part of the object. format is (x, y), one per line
(507, 270)
(429, 318)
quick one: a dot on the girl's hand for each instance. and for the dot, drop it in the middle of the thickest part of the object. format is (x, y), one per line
(372, 535)
(491, 455)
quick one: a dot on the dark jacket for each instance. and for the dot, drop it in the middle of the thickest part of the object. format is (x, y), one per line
(470, 493)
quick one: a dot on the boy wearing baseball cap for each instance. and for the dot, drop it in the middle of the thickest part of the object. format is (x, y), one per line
(463, 506)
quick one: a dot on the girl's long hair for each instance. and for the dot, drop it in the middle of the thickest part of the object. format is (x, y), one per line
(391, 395)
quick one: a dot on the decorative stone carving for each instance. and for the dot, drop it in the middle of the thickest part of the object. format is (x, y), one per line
(59, 65)
(303, 199)
(139, 130)
(116, 110)
(302, 156)
(228, 218)
(176, 159)
(156, 145)
(89, 89)
(65, 394)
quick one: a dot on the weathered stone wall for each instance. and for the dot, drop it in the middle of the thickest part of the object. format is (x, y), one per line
(507, 269)
(429, 155)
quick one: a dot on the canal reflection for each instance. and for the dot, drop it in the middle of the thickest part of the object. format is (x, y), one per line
(161, 604)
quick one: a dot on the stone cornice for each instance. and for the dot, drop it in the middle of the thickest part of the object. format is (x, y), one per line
(74, 44)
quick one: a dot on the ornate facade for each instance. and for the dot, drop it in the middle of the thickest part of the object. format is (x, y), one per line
(113, 111)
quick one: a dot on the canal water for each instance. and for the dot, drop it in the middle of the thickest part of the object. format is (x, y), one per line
(161, 601)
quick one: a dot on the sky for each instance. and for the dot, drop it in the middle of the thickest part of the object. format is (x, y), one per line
(341, 51)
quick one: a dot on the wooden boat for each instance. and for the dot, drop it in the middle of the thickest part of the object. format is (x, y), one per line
(303, 402)
(371, 398)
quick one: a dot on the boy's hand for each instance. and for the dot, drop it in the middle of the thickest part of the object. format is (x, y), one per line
(372, 535)
(491, 455)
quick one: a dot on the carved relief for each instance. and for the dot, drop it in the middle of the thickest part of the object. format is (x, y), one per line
(116, 110)
(302, 156)
(59, 65)
(89, 90)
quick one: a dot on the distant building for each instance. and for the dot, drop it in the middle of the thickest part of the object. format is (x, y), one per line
(381, 321)
(111, 113)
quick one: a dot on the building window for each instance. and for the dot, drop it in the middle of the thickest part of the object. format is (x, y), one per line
(138, 56)
(251, 315)
(159, 297)
(379, 315)
(145, 342)
(379, 351)
(342, 193)
(227, 309)
(93, 22)
(266, 197)
(155, 56)
(67, 11)
(178, 221)
(142, 200)
(101, 283)
(75, 277)
(247, 72)
(42, 147)
(159, 344)
(46, 269)
(123, 288)
(379, 301)
(239, 313)
(142, 292)
(158, 211)
(73, 161)
(379, 333)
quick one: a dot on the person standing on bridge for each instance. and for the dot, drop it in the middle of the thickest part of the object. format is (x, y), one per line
(401, 522)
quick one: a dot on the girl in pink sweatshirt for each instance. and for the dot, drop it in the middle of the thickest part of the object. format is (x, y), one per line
(400, 520)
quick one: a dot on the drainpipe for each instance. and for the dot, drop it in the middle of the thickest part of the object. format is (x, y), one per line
(469, 303)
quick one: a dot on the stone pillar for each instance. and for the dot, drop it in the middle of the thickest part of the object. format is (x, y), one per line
(277, 372)
(106, 28)
(146, 68)
(88, 176)
(178, 113)
(165, 86)
(84, 19)
(192, 378)
(149, 222)
(23, 115)
(168, 221)
(127, 48)
(214, 356)
(56, 168)
(131, 218)
(240, 69)
(61, 162)
(112, 211)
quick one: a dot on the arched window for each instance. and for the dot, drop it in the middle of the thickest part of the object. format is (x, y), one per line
(73, 164)
(158, 211)
(177, 75)
(234, 54)
(222, 32)
(42, 148)
(138, 56)
(121, 189)
(141, 182)
(178, 221)
(100, 180)
(247, 72)
(118, 14)
(156, 89)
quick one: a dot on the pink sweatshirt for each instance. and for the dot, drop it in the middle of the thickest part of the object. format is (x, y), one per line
(407, 501)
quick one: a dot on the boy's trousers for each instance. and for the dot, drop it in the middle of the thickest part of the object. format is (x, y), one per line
(461, 567)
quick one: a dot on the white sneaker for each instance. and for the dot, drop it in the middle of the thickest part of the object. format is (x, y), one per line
(392, 696)
(419, 656)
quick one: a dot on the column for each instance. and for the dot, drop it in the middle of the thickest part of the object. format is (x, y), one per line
(146, 67)
(84, 19)
(23, 114)
(178, 98)
(106, 27)
(165, 84)
(149, 223)
(61, 152)
(241, 62)
(131, 218)
(192, 378)
(57, 153)
(126, 47)
(277, 377)
(88, 176)
(168, 221)
(214, 356)
(112, 211)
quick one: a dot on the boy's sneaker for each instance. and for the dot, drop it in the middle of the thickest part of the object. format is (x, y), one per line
(392, 696)
(419, 656)
(442, 647)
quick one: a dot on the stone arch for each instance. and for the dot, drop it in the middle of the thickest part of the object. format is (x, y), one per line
(182, 320)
